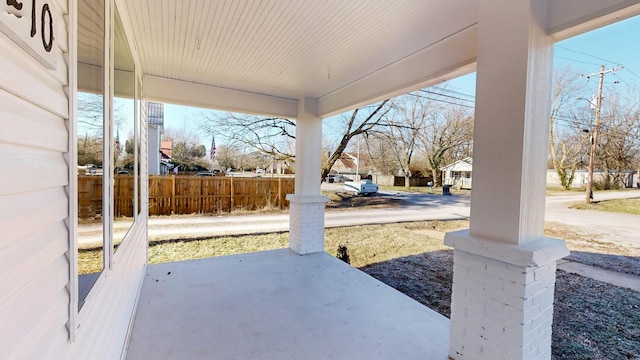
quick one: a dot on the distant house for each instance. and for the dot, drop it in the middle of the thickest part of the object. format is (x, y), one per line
(458, 173)
(166, 152)
(349, 164)
(155, 129)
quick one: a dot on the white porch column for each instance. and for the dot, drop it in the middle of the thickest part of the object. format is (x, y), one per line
(504, 268)
(306, 210)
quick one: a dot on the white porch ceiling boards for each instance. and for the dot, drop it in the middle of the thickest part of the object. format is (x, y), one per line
(287, 48)
(262, 56)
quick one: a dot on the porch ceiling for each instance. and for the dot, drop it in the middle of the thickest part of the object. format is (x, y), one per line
(262, 56)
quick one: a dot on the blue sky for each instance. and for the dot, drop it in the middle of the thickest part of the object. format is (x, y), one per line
(610, 46)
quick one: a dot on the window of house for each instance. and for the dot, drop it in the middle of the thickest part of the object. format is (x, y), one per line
(92, 146)
(108, 141)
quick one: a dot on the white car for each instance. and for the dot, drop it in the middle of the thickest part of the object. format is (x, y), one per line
(365, 187)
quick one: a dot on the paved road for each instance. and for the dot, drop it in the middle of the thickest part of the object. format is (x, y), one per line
(418, 207)
(623, 229)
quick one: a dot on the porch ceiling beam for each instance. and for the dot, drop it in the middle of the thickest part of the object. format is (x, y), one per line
(569, 18)
(211, 97)
(449, 58)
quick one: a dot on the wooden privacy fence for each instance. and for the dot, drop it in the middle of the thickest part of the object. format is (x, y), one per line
(90, 196)
(206, 194)
(186, 194)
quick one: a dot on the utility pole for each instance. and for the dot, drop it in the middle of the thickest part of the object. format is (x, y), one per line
(594, 134)
(357, 178)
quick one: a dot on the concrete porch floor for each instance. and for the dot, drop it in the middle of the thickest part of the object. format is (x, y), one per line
(279, 305)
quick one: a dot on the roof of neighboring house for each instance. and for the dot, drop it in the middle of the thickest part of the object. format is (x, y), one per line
(347, 162)
(155, 113)
(350, 161)
(465, 164)
(166, 148)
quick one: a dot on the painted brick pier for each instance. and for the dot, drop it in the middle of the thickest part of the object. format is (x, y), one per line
(502, 300)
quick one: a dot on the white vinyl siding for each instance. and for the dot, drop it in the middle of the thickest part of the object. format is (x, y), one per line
(35, 208)
(34, 267)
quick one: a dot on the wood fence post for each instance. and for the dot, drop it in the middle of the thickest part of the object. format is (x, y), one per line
(173, 195)
(280, 192)
(231, 201)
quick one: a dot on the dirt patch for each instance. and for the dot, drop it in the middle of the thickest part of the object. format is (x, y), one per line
(344, 200)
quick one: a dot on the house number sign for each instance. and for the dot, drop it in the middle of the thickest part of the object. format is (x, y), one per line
(30, 24)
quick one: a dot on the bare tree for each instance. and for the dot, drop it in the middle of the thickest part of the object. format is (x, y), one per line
(446, 132)
(269, 135)
(378, 149)
(275, 137)
(362, 121)
(186, 148)
(410, 115)
(619, 140)
(566, 123)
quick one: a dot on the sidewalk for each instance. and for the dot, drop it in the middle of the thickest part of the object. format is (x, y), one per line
(610, 277)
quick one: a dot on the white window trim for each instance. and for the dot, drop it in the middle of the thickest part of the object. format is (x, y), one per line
(77, 315)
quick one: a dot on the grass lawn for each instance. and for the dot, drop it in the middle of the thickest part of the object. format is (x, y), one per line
(627, 206)
(365, 242)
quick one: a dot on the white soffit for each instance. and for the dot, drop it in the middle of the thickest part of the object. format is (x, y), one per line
(344, 53)
(287, 49)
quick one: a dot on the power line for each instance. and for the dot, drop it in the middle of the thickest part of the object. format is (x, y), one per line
(458, 93)
(581, 125)
(587, 54)
(575, 60)
(622, 80)
(440, 100)
(445, 95)
(634, 74)
(595, 57)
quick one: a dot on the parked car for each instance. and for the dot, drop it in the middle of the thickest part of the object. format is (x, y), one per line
(364, 187)
(204, 174)
(123, 172)
(341, 179)
(336, 178)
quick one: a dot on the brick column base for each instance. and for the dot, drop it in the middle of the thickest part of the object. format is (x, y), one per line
(502, 300)
(306, 223)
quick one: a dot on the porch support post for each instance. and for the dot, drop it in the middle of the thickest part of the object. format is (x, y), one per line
(306, 211)
(504, 268)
